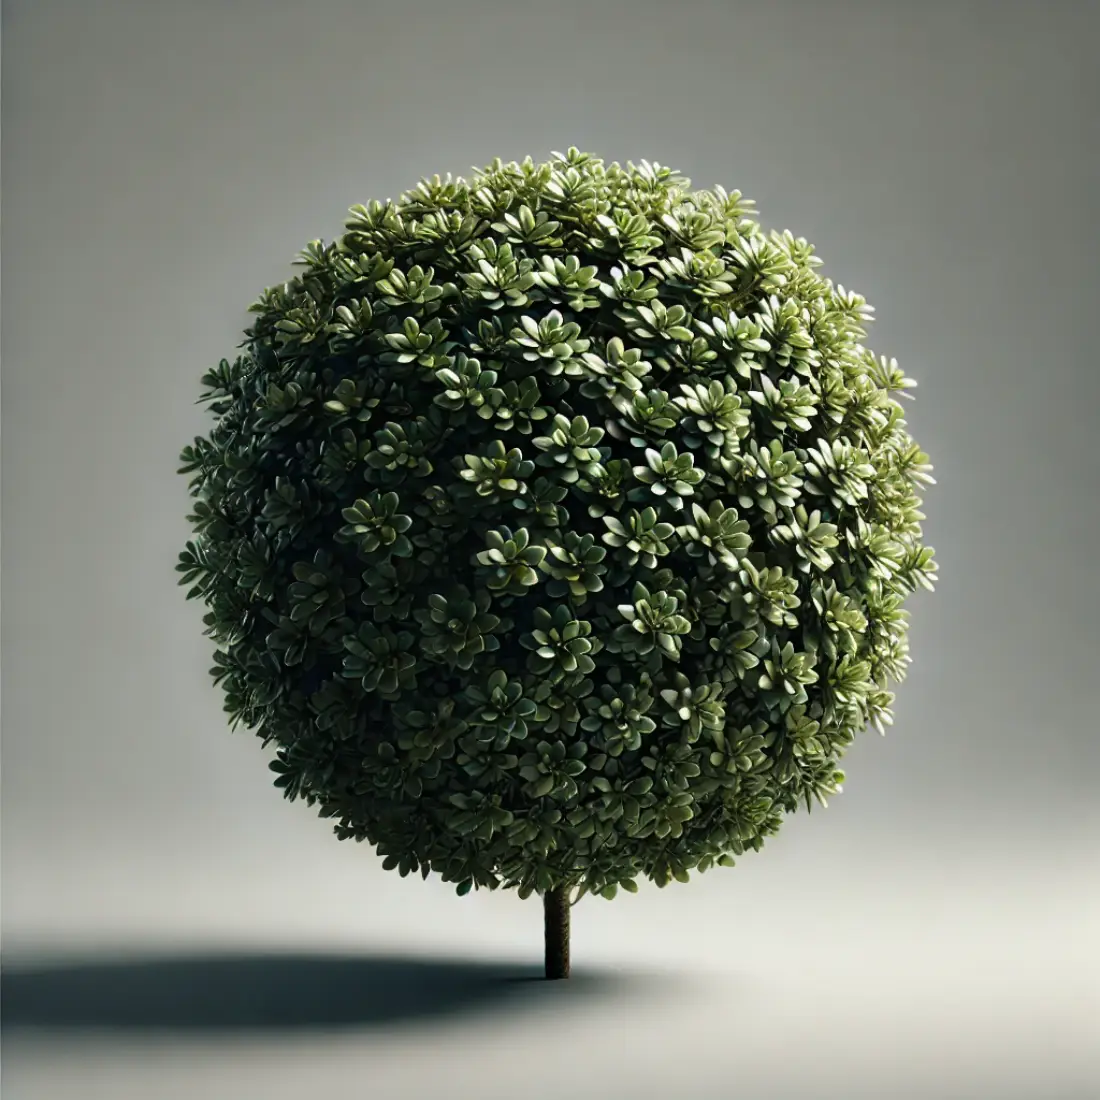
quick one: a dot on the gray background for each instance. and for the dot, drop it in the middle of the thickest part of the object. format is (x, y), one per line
(928, 934)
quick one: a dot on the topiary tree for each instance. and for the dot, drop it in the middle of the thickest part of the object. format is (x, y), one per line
(555, 527)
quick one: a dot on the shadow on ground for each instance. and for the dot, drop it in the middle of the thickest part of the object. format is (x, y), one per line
(234, 991)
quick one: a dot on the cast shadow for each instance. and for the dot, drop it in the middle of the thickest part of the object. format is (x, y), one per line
(219, 992)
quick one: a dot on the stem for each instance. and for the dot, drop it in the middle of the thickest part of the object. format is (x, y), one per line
(555, 907)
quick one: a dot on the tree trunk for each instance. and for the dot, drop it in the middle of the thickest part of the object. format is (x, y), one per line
(555, 907)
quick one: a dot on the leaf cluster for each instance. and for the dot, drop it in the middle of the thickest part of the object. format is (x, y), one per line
(555, 525)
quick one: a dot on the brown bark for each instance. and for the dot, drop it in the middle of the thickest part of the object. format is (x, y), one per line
(555, 906)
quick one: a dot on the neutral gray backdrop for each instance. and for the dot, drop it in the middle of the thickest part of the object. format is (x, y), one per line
(931, 934)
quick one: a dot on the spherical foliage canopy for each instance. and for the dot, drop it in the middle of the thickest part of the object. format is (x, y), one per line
(556, 526)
